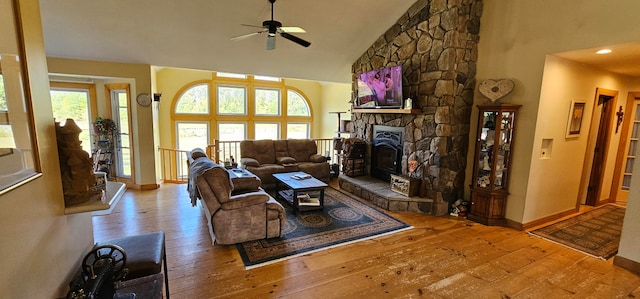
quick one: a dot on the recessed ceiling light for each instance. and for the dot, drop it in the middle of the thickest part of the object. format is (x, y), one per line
(604, 51)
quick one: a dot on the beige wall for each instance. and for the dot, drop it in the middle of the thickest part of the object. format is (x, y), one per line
(335, 98)
(555, 181)
(139, 77)
(41, 247)
(515, 39)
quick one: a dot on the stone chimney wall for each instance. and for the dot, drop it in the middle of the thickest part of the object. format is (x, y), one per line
(436, 42)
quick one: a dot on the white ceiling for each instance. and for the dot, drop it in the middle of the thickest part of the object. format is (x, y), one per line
(624, 58)
(196, 34)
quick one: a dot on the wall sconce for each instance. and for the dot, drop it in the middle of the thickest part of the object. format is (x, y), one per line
(157, 96)
(620, 115)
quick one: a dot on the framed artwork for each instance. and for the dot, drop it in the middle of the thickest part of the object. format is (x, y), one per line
(574, 123)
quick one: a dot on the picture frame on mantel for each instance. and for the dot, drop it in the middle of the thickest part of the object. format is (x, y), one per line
(574, 123)
(18, 151)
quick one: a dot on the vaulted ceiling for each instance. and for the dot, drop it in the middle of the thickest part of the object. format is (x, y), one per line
(197, 34)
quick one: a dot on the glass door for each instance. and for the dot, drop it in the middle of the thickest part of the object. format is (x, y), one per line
(630, 153)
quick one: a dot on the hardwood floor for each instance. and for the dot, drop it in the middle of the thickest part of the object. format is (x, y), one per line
(441, 257)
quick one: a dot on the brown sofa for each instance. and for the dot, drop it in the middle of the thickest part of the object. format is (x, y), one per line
(236, 208)
(266, 157)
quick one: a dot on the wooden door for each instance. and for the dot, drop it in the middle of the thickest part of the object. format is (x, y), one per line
(601, 148)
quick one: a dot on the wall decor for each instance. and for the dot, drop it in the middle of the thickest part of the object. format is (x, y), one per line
(19, 160)
(576, 114)
(496, 89)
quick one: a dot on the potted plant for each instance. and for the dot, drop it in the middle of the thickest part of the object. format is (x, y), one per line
(104, 126)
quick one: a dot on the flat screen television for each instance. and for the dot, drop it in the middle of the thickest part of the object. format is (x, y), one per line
(380, 88)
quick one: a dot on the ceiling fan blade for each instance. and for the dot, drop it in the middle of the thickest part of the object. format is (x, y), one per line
(292, 29)
(254, 26)
(295, 39)
(271, 42)
(239, 37)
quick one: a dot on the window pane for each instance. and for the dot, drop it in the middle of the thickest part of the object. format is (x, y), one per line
(629, 167)
(232, 100)
(626, 182)
(126, 162)
(632, 147)
(267, 101)
(267, 78)
(73, 104)
(194, 100)
(296, 104)
(192, 135)
(297, 131)
(231, 132)
(3, 96)
(231, 75)
(6, 136)
(268, 131)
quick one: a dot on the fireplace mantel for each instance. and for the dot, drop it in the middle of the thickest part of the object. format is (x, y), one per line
(377, 110)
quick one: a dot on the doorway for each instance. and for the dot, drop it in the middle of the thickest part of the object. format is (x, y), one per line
(605, 103)
(629, 141)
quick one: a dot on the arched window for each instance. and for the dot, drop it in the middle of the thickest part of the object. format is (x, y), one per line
(234, 108)
(297, 105)
(194, 100)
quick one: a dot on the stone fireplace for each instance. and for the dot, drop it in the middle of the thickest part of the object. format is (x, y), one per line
(435, 42)
(386, 151)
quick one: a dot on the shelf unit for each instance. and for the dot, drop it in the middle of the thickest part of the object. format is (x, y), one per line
(492, 166)
(383, 110)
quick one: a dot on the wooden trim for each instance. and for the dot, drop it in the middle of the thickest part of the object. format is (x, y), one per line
(549, 218)
(515, 225)
(623, 262)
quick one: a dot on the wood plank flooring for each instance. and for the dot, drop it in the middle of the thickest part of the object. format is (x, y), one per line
(441, 257)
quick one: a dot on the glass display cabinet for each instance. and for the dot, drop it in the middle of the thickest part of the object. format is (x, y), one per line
(494, 148)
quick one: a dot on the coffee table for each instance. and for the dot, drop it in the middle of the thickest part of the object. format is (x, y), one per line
(295, 191)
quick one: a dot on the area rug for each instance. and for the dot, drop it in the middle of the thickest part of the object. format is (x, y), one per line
(343, 220)
(596, 233)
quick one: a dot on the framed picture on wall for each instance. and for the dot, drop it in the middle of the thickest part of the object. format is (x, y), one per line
(574, 123)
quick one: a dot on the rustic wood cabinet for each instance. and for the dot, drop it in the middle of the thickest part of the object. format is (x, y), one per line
(492, 163)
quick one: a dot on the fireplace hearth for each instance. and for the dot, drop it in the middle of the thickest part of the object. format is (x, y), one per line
(386, 152)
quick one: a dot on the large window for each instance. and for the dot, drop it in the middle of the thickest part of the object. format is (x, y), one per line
(232, 131)
(232, 100)
(267, 101)
(267, 131)
(194, 100)
(74, 101)
(241, 107)
(297, 105)
(192, 135)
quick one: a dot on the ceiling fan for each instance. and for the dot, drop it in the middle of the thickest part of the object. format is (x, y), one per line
(271, 27)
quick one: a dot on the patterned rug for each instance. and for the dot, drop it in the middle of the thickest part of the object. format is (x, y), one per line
(344, 220)
(596, 233)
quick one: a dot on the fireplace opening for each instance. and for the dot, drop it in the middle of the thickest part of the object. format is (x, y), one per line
(386, 152)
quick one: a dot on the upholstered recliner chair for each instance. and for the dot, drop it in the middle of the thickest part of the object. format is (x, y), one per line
(234, 217)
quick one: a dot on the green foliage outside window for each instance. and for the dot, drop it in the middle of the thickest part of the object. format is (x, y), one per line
(267, 102)
(296, 105)
(3, 96)
(231, 100)
(194, 100)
